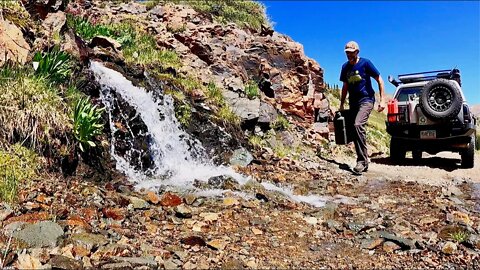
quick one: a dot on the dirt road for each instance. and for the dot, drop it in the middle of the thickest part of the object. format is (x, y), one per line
(437, 170)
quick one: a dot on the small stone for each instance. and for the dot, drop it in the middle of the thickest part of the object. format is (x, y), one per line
(459, 217)
(217, 244)
(193, 241)
(190, 199)
(230, 201)
(357, 211)
(62, 262)
(152, 197)
(183, 211)
(114, 213)
(449, 248)
(117, 266)
(390, 247)
(257, 231)
(371, 243)
(428, 220)
(138, 203)
(170, 199)
(252, 264)
(311, 220)
(209, 217)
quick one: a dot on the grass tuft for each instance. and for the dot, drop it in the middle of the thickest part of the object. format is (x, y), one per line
(17, 165)
(31, 111)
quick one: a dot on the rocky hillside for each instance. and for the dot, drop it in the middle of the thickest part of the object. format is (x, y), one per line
(114, 115)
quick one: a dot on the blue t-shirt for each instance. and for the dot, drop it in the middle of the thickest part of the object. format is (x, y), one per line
(358, 79)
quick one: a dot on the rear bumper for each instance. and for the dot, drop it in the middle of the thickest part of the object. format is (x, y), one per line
(448, 138)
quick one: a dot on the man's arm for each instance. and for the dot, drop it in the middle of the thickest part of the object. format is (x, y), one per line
(381, 90)
(344, 95)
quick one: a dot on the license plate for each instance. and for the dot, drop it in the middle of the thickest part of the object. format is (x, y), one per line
(428, 134)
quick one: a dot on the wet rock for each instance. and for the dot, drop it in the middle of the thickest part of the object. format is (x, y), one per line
(223, 182)
(62, 262)
(190, 199)
(170, 199)
(183, 211)
(41, 234)
(138, 203)
(152, 197)
(449, 248)
(241, 157)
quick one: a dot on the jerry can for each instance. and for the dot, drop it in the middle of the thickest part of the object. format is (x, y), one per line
(392, 110)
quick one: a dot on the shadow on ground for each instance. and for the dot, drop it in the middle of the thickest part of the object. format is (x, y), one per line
(343, 166)
(447, 164)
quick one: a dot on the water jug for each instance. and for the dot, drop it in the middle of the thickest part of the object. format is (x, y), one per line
(340, 128)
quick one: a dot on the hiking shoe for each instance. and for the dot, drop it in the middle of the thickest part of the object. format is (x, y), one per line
(360, 168)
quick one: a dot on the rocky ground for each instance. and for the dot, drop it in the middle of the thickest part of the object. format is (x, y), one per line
(377, 220)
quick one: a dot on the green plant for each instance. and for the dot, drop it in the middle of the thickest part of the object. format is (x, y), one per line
(31, 111)
(251, 90)
(226, 115)
(281, 123)
(15, 12)
(183, 113)
(250, 14)
(17, 165)
(54, 65)
(86, 123)
(86, 30)
(256, 141)
(215, 94)
(459, 236)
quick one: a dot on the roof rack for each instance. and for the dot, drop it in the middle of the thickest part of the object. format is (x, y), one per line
(426, 76)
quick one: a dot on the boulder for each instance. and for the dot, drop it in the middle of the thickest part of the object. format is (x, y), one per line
(13, 46)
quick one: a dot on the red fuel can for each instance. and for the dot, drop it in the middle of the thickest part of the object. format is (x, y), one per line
(392, 110)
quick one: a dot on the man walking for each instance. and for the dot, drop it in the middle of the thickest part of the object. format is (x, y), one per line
(355, 75)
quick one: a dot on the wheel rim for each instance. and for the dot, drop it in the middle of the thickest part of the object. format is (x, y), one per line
(440, 99)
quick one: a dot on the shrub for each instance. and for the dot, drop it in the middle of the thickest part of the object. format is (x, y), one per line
(215, 94)
(251, 90)
(281, 123)
(86, 123)
(85, 29)
(54, 65)
(30, 109)
(459, 236)
(15, 12)
(256, 141)
(17, 165)
(227, 116)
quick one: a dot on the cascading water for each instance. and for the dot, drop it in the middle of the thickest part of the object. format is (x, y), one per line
(178, 160)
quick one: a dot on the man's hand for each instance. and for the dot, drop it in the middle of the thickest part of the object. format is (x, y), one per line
(381, 106)
(341, 107)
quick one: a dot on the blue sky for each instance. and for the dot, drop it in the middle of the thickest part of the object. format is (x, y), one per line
(397, 36)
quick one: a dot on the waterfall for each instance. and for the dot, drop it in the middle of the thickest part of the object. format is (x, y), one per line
(178, 160)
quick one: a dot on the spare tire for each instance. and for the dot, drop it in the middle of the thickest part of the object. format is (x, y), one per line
(441, 99)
